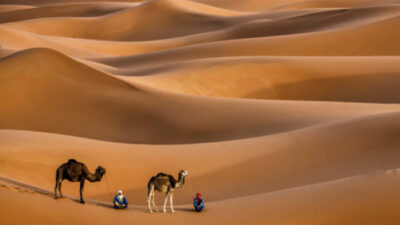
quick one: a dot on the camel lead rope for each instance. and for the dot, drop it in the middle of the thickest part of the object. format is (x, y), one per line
(190, 185)
(108, 187)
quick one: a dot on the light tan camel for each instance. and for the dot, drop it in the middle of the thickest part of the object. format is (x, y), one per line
(164, 183)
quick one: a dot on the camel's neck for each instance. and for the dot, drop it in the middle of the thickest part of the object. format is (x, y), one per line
(181, 181)
(93, 177)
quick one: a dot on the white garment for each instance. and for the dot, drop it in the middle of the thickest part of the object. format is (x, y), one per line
(121, 197)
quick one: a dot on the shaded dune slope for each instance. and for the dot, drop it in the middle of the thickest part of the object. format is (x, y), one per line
(358, 43)
(86, 102)
(185, 18)
(352, 79)
(257, 5)
(62, 10)
(12, 7)
(267, 33)
(128, 24)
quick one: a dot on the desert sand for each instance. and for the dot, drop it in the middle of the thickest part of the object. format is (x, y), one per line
(284, 112)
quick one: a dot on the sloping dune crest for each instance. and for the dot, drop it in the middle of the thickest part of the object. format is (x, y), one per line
(129, 25)
(11, 7)
(284, 112)
(350, 79)
(335, 22)
(62, 10)
(358, 43)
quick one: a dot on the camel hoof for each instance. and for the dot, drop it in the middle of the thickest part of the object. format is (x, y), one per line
(81, 201)
(172, 211)
(164, 211)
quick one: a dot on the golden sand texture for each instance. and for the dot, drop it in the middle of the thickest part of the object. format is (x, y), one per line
(284, 112)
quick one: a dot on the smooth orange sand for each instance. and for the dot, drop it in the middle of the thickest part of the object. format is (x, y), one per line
(284, 112)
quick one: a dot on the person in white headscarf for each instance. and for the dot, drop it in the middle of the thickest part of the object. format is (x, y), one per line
(120, 201)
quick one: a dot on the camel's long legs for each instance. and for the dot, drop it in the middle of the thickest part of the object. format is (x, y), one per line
(152, 201)
(149, 196)
(165, 202)
(171, 199)
(55, 189)
(81, 189)
(150, 189)
(59, 188)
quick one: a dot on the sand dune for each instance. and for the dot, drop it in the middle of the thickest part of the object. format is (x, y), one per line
(267, 24)
(282, 207)
(353, 79)
(257, 5)
(284, 112)
(313, 44)
(76, 46)
(331, 4)
(361, 152)
(128, 24)
(63, 10)
(15, 41)
(251, 5)
(6, 8)
(139, 114)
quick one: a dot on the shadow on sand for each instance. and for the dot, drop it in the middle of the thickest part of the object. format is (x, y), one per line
(49, 193)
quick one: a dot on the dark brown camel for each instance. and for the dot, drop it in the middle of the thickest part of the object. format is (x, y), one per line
(76, 172)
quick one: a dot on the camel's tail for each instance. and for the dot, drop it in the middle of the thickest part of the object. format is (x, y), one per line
(149, 187)
(58, 174)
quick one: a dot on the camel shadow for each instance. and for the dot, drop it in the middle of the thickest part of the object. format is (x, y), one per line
(141, 209)
(181, 209)
(98, 203)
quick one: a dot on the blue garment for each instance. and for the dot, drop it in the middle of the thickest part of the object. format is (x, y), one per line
(198, 205)
(121, 204)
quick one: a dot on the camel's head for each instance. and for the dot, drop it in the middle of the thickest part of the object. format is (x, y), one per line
(184, 173)
(182, 177)
(101, 171)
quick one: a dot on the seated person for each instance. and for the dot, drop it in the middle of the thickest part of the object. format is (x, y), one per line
(198, 203)
(120, 201)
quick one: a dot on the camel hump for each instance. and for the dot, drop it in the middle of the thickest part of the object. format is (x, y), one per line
(72, 161)
(161, 174)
